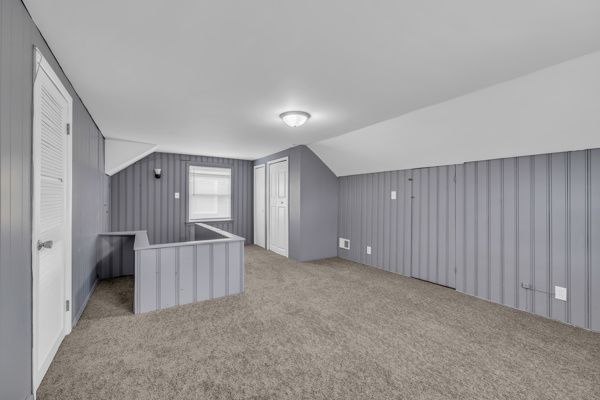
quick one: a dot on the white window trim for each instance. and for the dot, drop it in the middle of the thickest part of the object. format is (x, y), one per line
(202, 165)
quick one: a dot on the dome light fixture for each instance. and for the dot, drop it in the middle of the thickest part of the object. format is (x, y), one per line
(294, 119)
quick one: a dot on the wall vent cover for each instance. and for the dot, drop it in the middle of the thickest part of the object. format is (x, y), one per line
(344, 244)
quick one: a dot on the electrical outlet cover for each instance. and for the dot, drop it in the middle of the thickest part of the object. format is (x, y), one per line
(368, 249)
(560, 293)
(176, 195)
(393, 195)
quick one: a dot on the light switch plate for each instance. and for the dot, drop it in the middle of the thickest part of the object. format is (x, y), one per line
(368, 249)
(393, 195)
(176, 195)
(560, 293)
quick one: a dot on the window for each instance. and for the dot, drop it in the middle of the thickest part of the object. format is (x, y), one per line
(209, 193)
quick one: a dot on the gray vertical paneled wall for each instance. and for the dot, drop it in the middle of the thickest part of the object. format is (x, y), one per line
(433, 225)
(16, 86)
(412, 235)
(139, 201)
(318, 208)
(369, 217)
(18, 36)
(506, 230)
(90, 205)
(528, 224)
(182, 274)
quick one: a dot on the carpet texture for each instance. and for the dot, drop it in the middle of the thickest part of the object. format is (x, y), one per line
(331, 329)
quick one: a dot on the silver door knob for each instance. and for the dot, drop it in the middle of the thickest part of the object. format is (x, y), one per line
(44, 245)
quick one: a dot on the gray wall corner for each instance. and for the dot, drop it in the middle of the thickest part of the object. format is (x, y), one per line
(313, 204)
(319, 208)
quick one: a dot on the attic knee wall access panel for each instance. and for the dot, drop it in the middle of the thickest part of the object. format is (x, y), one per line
(433, 220)
(485, 228)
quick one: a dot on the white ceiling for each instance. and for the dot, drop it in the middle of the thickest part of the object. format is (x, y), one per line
(211, 77)
(551, 110)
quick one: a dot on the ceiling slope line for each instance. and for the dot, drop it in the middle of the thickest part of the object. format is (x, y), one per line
(119, 154)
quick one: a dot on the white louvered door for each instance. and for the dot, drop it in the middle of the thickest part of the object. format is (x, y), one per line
(51, 216)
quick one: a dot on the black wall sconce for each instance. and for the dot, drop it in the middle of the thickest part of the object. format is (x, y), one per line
(157, 173)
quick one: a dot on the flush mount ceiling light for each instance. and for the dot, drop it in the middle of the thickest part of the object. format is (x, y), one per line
(294, 118)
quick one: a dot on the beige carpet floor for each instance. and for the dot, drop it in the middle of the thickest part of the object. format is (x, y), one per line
(326, 330)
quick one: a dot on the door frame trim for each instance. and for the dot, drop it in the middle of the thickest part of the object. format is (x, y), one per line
(40, 62)
(254, 203)
(268, 199)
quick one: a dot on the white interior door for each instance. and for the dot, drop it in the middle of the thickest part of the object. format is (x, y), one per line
(278, 207)
(260, 205)
(51, 252)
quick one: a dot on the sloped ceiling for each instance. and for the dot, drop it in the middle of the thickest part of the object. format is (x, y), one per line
(119, 154)
(552, 110)
(211, 77)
